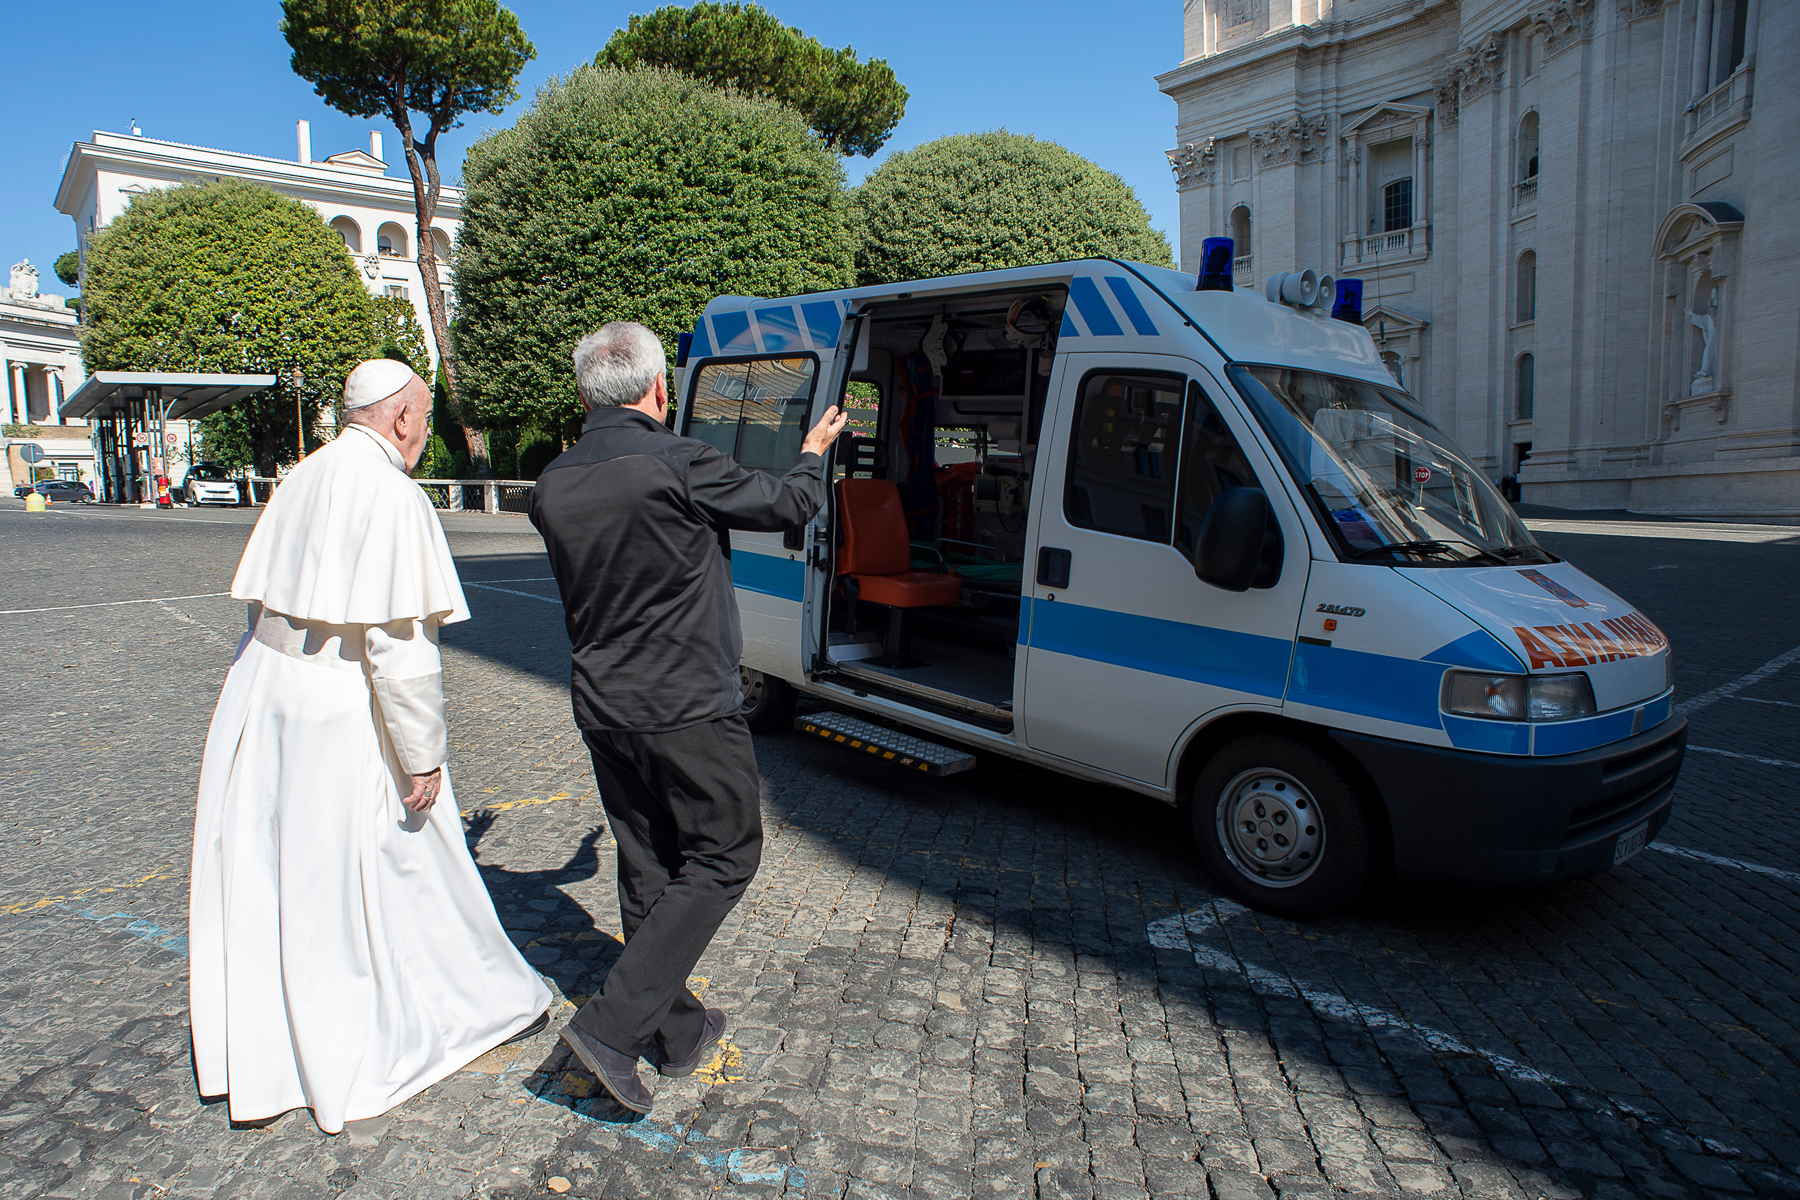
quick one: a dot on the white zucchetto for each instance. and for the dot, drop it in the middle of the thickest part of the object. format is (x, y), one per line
(375, 380)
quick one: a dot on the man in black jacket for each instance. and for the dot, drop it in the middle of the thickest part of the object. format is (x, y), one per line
(637, 521)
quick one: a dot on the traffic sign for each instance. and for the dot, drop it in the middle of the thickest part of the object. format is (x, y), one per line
(171, 439)
(1421, 474)
(31, 452)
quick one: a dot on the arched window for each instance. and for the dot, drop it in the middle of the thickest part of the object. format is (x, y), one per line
(1240, 239)
(390, 241)
(1527, 168)
(350, 232)
(440, 245)
(1527, 288)
(1524, 394)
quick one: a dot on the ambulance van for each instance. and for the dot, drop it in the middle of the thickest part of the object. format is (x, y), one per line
(1198, 543)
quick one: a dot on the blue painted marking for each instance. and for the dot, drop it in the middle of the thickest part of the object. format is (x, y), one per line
(824, 319)
(1134, 312)
(1570, 737)
(780, 329)
(1494, 737)
(1068, 327)
(1226, 658)
(782, 577)
(1481, 650)
(701, 346)
(733, 331)
(1370, 685)
(1658, 711)
(144, 930)
(1094, 313)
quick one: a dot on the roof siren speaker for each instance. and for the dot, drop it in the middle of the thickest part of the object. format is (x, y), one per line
(1215, 265)
(1327, 289)
(1348, 306)
(1299, 288)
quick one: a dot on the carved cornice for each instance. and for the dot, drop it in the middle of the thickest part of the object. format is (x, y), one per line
(1193, 163)
(1563, 24)
(1294, 139)
(1477, 70)
(1631, 10)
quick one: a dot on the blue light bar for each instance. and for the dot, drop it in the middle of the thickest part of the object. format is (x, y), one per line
(1215, 265)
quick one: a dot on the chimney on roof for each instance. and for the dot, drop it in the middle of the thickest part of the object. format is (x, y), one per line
(375, 144)
(303, 130)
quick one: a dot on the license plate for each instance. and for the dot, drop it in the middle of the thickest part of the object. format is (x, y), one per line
(1630, 842)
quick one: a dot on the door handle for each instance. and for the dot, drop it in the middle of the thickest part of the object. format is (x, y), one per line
(1053, 566)
(790, 537)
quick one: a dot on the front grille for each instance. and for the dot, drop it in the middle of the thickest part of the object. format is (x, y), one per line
(1632, 783)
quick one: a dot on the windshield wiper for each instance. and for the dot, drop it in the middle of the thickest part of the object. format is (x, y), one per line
(1514, 551)
(1403, 548)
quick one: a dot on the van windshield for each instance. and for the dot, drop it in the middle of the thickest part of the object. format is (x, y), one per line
(1387, 484)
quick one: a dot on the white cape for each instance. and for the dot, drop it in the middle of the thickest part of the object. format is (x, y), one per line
(345, 952)
(347, 538)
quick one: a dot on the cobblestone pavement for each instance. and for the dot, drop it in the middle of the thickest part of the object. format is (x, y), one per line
(1004, 984)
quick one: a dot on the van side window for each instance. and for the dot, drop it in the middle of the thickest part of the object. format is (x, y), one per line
(754, 411)
(1127, 428)
(1210, 463)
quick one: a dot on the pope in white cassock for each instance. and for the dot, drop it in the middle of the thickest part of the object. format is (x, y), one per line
(345, 952)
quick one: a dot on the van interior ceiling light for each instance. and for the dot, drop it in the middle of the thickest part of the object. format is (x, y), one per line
(1215, 265)
(1348, 305)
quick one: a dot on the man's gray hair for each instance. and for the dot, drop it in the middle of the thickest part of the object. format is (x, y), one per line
(617, 364)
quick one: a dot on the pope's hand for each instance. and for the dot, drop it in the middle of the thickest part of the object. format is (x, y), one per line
(425, 791)
(826, 431)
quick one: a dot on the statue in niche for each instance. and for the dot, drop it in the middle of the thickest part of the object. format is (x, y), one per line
(1707, 324)
(24, 281)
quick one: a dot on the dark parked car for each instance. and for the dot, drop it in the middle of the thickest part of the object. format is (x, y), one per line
(66, 491)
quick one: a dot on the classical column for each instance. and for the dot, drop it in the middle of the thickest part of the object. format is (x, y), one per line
(1703, 23)
(21, 398)
(1751, 20)
(53, 393)
(1421, 176)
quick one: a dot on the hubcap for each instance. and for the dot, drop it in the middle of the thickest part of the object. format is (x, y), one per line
(752, 682)
(1270, 827)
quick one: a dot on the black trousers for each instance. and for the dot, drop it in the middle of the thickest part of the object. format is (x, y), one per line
(684, 812)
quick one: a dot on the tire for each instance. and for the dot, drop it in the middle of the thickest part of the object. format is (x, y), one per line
(1282, 827)
(768, 701)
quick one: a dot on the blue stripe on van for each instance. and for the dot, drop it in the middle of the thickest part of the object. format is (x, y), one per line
(733, 330)
(1226, 658)
(781, 577)
(1371, 685)
(1493, 737)
(1134, 312)
(824, 319)
(701, 346)
(1481, 650)
(1068, 327)
(780, 329)
(1094, 313)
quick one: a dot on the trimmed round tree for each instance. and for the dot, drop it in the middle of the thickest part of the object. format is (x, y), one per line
(632, 195)
(229, 277)
(987, 201)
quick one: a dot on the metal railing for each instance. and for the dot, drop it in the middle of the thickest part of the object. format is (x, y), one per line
(450, 495)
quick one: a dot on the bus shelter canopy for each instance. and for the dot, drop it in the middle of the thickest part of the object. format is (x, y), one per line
(183, 397)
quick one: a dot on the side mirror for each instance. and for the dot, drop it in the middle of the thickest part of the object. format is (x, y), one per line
(1240, 543)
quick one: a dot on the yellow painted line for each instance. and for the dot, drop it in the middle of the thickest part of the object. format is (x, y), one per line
(163, 872)
(528, 802)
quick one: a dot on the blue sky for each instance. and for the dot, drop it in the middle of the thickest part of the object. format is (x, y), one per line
(215, 73)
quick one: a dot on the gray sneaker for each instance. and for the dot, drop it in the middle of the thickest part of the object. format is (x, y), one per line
(616, 1073)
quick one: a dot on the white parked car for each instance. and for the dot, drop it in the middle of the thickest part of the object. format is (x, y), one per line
(207, 483)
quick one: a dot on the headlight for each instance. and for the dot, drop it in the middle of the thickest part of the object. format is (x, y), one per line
(1518, 697)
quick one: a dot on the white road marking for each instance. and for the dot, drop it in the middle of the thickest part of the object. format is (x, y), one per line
(511, 592)
(527, 579)
(1759, 700)
(1735, 863)
(1687, 531)
(9, 612)
(1737, 685)
(1183, 932)
(206, 631)
(1773, 762)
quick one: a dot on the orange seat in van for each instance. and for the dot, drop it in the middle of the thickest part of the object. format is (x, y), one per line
(876, 557)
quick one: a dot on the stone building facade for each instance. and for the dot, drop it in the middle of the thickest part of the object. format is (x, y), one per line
(371, 210)
(40, 348)
(1577, 228)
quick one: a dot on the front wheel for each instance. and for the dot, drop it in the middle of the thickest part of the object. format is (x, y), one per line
(768, 701)
(1282, 828)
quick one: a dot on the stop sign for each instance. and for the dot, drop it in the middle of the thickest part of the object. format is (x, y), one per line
(1421, 474)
